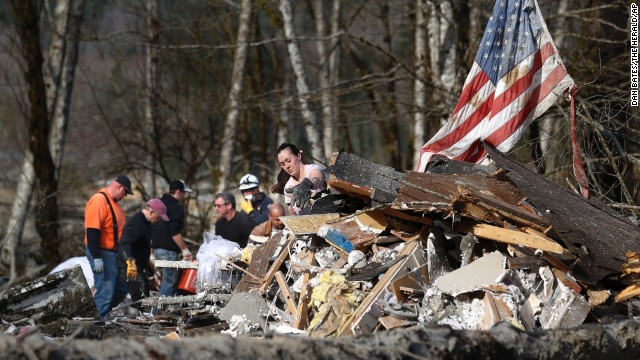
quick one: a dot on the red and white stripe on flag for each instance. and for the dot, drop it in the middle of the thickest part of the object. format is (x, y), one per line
(516, 76)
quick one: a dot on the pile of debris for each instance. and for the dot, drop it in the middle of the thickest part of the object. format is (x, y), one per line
(462, 245)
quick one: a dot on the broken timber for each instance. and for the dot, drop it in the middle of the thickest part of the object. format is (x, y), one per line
(61, 295)
(259, 264)
(576, 222)
(306, 224)
(365, 318)
(351, 169)
(508, 236)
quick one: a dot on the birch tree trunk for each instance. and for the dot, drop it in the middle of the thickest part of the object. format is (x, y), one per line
(334, 68)
(547, 124)
(27, 19)
(231, 123)
(442, 53)
(389, 124)
(419, 88)
(284, 119)
(59, 77)
(151, 106)
(65, 41)
(295, 57)
(328, 120)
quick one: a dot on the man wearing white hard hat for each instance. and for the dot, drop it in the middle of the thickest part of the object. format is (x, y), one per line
(255, 203)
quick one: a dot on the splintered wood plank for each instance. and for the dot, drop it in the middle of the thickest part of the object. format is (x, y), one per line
(513, 212)
(373, 221)
(507, 236)
(346, 187)
(291, 306)
(495, 311)
(404, 216)
(567, 280)
(525, 262)
(437, 192)
(359, 236)
(628, 293)
(360, 322)
(576, 222)
(259, 264)
(300, 321)
(277, 263)
(632, 266)
(410, 283)
(389, 322)
(307, 224)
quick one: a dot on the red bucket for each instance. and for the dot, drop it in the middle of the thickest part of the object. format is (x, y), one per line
(188, 280)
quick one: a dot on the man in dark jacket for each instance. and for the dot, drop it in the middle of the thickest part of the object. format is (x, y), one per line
(166, 240)
(135, 247)
(255, 203)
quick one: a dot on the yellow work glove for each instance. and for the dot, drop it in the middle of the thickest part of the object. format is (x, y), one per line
(246, 206)
(132, 269)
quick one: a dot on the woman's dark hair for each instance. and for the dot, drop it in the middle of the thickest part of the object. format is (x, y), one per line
(283, 177)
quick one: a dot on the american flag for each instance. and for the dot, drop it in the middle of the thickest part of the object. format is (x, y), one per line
(517, 75)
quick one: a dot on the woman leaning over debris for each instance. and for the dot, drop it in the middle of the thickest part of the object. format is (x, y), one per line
(297, 181)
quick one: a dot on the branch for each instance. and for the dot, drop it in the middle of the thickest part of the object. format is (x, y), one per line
(603, 142)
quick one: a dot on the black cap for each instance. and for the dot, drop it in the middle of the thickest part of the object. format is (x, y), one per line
(124, 181)
(179, 185)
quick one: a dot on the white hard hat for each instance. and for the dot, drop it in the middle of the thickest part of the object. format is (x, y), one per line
(249, 181)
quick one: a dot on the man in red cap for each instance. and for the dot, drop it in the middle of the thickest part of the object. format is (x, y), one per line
(135, 247)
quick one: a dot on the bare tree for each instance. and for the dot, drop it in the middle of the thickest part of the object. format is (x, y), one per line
(334, 71)
(152, 120)
(419, 92)
(58, 75)
(328, 120)
(309, 118)
(442, 53)
(27, 19)
(231, 123)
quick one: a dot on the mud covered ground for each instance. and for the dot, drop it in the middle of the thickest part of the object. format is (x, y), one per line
(620, 340)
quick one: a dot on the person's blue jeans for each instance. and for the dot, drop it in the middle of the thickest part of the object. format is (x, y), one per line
(108, 287)
(170, 276)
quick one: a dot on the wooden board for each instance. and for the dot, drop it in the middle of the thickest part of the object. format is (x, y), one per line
(307, 224)
(277, 263)
(576, 222)
(389, 322)
(508, 210)
(363, 320)
(350, 229)
(291, 306)
(300, 320)
(259, 264)
(508, 236)
(410, 282)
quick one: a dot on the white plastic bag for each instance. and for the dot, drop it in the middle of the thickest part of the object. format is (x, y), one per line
(209, 264)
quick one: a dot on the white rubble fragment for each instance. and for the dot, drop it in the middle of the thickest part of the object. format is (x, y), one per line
(240, 325)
